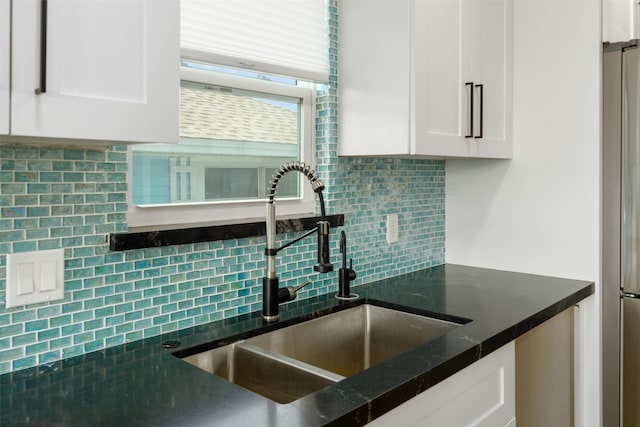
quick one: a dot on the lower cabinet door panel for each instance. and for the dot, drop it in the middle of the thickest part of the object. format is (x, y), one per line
(482, 394)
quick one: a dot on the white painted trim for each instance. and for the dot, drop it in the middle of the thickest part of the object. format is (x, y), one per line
(236, 211)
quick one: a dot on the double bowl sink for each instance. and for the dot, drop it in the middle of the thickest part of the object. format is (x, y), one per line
(289, 363)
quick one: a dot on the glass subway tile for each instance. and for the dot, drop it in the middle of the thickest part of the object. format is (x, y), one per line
(24, 363)
(149, 291)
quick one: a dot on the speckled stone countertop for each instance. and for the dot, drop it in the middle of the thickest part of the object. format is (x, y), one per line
(143, 384)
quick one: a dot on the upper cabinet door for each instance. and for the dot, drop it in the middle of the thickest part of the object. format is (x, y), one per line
(439, 98)
(463, 78)
(5, 20)
(487, 35)
(111, 71)
(620, 20)
(374, 77)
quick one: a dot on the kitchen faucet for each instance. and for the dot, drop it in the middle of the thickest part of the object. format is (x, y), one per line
(272, 295)
(345, 275)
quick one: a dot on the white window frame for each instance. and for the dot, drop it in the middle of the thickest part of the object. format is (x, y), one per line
(145, 217)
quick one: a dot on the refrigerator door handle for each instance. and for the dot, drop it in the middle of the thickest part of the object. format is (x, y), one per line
(624, 294)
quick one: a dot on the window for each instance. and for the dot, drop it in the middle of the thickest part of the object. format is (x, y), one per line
(235, 131)
(237, 124)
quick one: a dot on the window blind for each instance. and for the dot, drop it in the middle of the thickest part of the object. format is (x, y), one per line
(287, 37)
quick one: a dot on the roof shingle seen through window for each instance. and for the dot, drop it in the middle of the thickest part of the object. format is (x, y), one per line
(214, 114)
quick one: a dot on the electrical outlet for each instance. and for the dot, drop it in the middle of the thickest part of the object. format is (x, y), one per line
(392, 228)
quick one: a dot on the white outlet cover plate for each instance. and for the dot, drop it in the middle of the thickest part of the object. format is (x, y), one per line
(35, 277)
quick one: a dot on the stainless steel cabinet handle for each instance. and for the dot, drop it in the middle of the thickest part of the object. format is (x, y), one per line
(481, 87)
(470, 86)
(43, 48)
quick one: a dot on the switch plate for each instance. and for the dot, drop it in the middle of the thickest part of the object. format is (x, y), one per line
(34, 277)
(25, 278)
(392, 228)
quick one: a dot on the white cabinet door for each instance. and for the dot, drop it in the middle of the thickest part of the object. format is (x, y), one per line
(374, 77)
(5, 20)
(439, 97)
(463, 61)
(620, 20)
(488, 41)
(112, 70)
(482, 394)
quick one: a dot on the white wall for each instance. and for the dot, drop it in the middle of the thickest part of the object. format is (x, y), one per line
(539, 213)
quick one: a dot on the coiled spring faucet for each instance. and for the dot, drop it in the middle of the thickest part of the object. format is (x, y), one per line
(272, 295)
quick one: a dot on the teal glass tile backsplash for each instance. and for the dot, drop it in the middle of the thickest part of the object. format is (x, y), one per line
(68, 198)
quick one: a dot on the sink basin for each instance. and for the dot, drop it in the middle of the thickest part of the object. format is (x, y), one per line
(277, 377)
(353, 340)
(289, 363)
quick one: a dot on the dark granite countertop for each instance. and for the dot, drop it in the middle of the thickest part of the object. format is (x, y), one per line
(143, 384)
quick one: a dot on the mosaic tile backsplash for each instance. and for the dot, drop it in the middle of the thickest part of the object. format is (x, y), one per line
(72, 199)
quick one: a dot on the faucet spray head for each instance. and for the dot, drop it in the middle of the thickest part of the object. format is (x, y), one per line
(324, 264)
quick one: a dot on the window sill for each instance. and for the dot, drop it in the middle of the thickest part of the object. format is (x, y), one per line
(157, 238)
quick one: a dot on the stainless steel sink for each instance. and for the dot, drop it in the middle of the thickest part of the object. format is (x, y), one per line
(353, 340)
(292, 362)
(274, 376)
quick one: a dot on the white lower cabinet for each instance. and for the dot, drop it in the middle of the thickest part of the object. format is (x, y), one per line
(482, 394)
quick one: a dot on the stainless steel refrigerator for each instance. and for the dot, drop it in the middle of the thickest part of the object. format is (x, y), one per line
(621, 235)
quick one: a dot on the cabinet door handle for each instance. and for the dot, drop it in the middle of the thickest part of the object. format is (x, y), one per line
(43, 48)
(470, 109)
(481, 87)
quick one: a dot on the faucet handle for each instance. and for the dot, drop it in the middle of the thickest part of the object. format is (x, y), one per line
(297, 288)
(290, 293)
(352, 273)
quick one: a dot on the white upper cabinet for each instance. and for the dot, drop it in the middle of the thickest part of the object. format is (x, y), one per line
(5, 20)
(620, 20)
(111, 71)
(449, 75)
